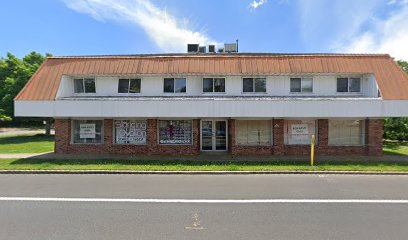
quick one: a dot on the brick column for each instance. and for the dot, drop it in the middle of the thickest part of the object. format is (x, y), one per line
(62, 135)
(152, 136)
(108, 134)
(322, 136)
(231, 136)
(196, 136)
(374, 136)
(278, 137)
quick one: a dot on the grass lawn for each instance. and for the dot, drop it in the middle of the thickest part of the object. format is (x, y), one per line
(395, 148)
(177, 165)
(26, 143)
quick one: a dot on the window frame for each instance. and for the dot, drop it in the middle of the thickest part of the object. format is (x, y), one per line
(362, 134)
(271, 130)
(301, 85)
(303, 121)
(174, 85)
(349, 84)
(253, 85)
(213, 85)
(128, 119)
(173, 144)
(73, 132)
(129, 80)
(83, 85)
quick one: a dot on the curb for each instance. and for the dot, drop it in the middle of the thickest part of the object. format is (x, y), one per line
(196, 172)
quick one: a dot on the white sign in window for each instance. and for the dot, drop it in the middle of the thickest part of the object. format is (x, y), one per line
(87, 130)
(175, 132)
(299, 129)
(130, 131)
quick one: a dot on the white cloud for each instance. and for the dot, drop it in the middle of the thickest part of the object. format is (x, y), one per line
(389, 35)
(255, 4)
(170, 33)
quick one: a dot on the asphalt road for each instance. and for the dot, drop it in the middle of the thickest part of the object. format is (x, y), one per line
(75, 208)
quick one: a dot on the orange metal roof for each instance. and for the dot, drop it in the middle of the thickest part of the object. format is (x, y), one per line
(392, 81)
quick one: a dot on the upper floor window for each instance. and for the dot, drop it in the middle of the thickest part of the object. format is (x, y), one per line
(301, 85)
(251, 85)
(348, 85)
(84, 85)
(213, 85)
(175, 85)
(129, 85)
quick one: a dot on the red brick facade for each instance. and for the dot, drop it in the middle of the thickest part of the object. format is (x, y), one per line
(374, 133)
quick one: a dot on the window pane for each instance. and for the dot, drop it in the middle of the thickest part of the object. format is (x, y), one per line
(253, 132)
(180, 85)
(307, 84)
(123, 86)
(169, 85)
(207, 85)
(299, 131)
(89, 85)
(354, 84)
(346, 132)
(134, 86)
(342, 84)
(175, 132)
(87, 131)
(219, 84)
(260, 85)
(130, 131)
(248, 85)
(295, 85)
(78, 85)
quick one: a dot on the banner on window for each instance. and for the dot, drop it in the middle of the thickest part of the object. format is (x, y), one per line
(299, 129)
(87, 130)
(130, 131)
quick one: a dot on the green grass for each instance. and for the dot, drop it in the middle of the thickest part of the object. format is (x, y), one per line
(182, 165)
(26, 144)
(395, 148)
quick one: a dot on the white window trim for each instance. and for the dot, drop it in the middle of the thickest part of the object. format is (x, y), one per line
(83, 85)
(174, 84)
(253, 85)
(213, 92)
(348, 85)
(175, 119)
(128, 93)
(301, 89)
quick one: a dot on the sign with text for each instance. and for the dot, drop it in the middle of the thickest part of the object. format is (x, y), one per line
(299, 129)
(130, 131)
(87, 130)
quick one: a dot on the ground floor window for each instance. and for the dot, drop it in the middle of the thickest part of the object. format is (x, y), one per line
(299, 131)
(253, 132)
(346, 132)
(130, 131)
(87, 131)
(175, 132)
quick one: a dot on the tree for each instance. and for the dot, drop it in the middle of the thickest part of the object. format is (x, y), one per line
(397, 128)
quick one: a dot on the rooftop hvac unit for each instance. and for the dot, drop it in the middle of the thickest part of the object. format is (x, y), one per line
(192, 48)
(230, 47)
(220, 50)
(211, 48)
(202, 49)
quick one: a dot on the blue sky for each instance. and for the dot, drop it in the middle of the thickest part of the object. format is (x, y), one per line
(88, 27)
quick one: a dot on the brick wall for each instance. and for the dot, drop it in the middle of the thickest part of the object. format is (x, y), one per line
(373, 146)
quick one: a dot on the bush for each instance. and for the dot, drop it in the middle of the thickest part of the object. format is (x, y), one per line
(396, 129)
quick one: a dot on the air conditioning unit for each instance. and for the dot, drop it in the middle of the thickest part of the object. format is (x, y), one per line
(220, 50)
(192, 48)
(230, 47)
(202, 49)
(211, 48)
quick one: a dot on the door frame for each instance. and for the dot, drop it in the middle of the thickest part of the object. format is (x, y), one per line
(214, 137)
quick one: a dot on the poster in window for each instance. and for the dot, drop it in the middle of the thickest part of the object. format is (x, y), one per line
(130, 131)
(299, 129)
(175, 132)
(87, 130)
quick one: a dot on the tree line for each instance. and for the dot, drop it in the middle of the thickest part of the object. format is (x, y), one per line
(15, 73)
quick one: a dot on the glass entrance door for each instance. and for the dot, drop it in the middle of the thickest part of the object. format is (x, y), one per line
(213, 135)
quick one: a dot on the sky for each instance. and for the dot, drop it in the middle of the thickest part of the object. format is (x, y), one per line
(102, 27)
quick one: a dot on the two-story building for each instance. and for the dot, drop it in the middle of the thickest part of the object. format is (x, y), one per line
(241, 103)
